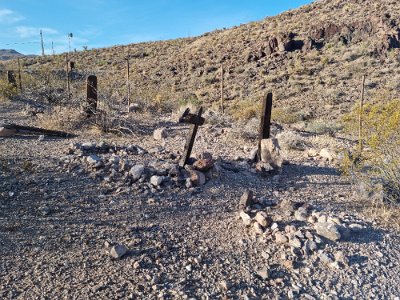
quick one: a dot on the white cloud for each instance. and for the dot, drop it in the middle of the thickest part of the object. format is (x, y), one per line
(25, 31)
(9, 16)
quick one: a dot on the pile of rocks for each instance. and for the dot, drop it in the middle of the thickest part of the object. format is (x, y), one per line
(132, 165)
(298, 231)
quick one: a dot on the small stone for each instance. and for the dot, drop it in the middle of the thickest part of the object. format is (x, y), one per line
(197, 178)
(325, 258)
(341, 258)
(245, 218)
(203, 165)
(160, 134)
(225, 285)
(246, 200)
(264, 273)
(290, 229)
(41, 138)
(328, 230)
(301, 214)
(4, 132)
(156, 180)
(136, 172)
(258, 228)
(327, 154)
(93, 159)
(263, 219)
(295, 242)
(280, 238)
(274, 226)
(118, 251)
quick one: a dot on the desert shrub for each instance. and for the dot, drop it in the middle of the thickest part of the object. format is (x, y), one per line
(379, 163)
(324, 127)
(7, 91)
(245, 109)
(284, 115)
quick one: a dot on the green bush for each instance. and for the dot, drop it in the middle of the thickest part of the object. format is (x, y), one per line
(379, 161)
(7, 91)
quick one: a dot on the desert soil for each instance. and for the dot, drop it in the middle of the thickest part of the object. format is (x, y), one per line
(58, 223)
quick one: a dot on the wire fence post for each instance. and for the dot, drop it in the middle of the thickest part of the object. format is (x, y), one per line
(19, 76)
(360, 118)
(67, 75)
(222, 89)
(128, 83)
(91, 95)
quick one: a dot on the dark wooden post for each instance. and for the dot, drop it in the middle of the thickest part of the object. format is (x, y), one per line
(19, 76)
(196, 121)
(265, 125)
(11, 79)
(91, 95)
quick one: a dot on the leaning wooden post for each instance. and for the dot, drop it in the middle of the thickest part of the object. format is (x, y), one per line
(91, 95)
(360, 118)
(11, 79)
(67, 75)
(19, 76)
(196, 121)
(265, 125)
(222, 88)
(128, 83)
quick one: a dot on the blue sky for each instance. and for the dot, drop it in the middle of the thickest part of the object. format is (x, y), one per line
(102, 23)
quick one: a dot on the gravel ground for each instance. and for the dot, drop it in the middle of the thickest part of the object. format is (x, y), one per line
(57, 225)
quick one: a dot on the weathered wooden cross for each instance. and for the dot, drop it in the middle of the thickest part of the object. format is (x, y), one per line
(265, 125)
(195, 121)
(91, 95)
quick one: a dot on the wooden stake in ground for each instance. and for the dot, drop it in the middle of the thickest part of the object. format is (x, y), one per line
(11, 79)
(128, 83)
(91, 95)
(265, 125)
(19, 76)
(222, 88)
(360, 118)
(67, 75)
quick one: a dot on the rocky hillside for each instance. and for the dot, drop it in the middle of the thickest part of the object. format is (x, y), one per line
(7, 54)
(312, 58)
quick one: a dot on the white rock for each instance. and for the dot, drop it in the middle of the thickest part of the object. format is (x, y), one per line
(93, 159)
(156, 180)
(327, 154)
(136, 172)
(245, 218)
(160, 134)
